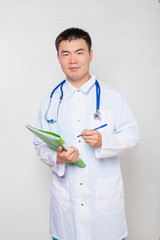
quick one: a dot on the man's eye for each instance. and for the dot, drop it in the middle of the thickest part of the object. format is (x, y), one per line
(64, 54)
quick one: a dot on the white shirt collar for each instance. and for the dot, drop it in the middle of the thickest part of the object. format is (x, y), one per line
(70, 89)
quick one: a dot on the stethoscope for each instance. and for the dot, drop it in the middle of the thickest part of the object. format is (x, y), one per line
(97, 114)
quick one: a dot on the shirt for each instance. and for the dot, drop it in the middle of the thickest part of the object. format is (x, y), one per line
(88, 203)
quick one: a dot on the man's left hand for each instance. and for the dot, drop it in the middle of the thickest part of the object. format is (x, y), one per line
(92, 138)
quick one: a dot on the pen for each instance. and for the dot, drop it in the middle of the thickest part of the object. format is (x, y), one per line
(96, 128)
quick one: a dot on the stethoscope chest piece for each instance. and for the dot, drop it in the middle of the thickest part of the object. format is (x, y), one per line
(97, 115)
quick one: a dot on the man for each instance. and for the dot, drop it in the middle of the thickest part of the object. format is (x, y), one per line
(86, 203)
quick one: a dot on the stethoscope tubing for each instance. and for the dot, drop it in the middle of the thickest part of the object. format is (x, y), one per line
(98, 93)
(61, 86)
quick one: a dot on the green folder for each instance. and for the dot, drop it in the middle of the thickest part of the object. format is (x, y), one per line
(53, 140)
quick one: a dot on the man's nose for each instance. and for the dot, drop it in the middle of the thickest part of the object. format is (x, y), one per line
(73, 58)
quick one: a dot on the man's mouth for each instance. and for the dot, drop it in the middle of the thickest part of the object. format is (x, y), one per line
(74, 68)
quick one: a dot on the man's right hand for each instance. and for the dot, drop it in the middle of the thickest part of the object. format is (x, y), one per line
(69, 156)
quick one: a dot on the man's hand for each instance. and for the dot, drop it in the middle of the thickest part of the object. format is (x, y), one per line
(92, 138)
(69, 156)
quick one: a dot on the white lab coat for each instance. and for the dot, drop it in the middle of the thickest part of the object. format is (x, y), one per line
(88, 203)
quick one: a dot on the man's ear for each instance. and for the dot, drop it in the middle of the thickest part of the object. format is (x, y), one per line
(91, 55)
(58, 57)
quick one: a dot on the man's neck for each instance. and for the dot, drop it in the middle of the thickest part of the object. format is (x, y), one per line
(79, 82)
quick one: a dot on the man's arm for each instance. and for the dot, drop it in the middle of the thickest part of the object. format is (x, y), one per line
(125, 135)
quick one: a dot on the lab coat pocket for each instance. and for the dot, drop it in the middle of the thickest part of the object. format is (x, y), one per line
(109, 195)
(106, 118)
(60, 193)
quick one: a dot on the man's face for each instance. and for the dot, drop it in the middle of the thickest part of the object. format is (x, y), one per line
(74, 58)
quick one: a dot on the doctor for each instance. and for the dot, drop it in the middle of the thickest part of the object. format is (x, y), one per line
(86, 203)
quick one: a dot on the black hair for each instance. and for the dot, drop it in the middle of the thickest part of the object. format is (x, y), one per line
(73, 34)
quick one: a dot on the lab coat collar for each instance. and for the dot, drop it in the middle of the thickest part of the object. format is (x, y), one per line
(70, 89)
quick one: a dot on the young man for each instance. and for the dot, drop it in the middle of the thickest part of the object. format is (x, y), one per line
(86, 203)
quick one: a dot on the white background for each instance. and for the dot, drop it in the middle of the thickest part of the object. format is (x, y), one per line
(126, 45)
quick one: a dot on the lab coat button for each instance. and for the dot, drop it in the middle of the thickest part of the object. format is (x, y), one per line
(81, 183)
(82, 204)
